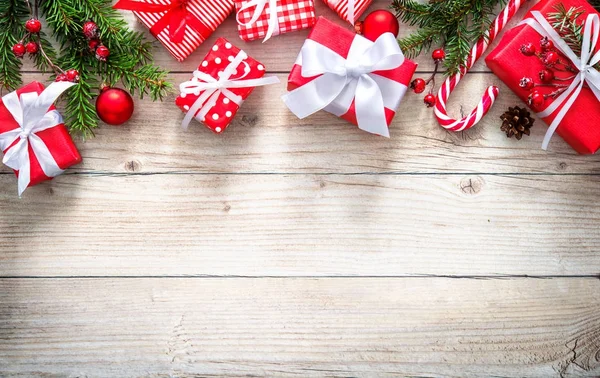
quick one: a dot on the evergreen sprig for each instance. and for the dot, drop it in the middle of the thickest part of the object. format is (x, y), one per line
(130, 61)
(454, 24)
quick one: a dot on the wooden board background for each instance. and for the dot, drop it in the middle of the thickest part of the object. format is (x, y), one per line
(288, 247)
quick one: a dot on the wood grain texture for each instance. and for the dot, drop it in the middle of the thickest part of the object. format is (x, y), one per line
(300, 327)
(306, 225)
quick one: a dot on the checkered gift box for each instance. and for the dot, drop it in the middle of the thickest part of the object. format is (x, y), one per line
(341, 7)
(196, 20)
(291, 15)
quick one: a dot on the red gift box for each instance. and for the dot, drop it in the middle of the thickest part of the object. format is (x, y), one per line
(180, 25)
(292, 15)
(57, 139)
(341, 8)
(219, 57)
(579, 127)
(339, 40)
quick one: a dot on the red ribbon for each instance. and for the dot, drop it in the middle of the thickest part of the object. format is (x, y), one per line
(176, 18)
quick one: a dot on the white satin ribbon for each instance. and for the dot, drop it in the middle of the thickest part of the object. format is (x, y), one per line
(212, 88)
(587, 73)
(272, 22)
(30, 111)
(351, 11)
(343, 80)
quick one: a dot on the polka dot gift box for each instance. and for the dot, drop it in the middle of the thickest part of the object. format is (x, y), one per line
(261, 19)
(223, 80)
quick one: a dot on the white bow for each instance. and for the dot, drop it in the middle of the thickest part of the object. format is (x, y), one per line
(213, 88)
(30, 111)
(587, 73)
(343, 80)
(272, 22)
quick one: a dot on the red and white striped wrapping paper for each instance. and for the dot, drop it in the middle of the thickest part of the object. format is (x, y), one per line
(341, 8)
(211, 13)
(292, 15)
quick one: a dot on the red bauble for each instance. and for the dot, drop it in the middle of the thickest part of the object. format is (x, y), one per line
(438, 55)
(93, 44)
(102, 52)
(536, 100)
(379, 22)
(429, 100)
(32, 47)
(90, 30)
(546, 44)
(114, 106)
(418, 85)
(33, 25)
(528, 49)
(550, 58)
(18, 49)
(61, 77)
(72, 75)
(546, 75)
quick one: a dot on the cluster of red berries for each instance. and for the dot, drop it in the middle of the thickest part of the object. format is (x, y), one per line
(419, 85)
(553, 62)
(90, 31)
(33, 27)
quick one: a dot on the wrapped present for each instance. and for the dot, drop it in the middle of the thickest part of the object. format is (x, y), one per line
(222, 82)
(180, 25)
(265, 18)
(349, 10)
(345, 74)
(33, 138)
(567, 94)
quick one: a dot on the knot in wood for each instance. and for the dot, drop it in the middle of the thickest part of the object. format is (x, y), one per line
(471, 185)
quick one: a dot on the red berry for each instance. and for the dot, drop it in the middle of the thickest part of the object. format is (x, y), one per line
(61, 77)
(429, 100)
(33, 25)
(102, 52)
(536, 99)
(93, 44)
(19, 50)
(438, 55)
(550, 58)
(527, 49)
(72, 75)
(546, 44)
(418, 85)
(546, 75)
(526, 83)
(90, 30)
(32, 47)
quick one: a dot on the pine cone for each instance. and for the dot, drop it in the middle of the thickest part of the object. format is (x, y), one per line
(516, 121)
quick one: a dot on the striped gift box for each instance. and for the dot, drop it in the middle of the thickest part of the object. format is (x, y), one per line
(341, 8)
(201, 17)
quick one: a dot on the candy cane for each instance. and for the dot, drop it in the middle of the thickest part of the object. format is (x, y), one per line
(490, 95)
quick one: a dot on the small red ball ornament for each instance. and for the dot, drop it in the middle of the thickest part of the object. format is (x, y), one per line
(526, 83)
(438, 55)
(429, 100)
(536, 100)
(61, 77)
(32, 48)
(550, 58)
(546, 44)
(528, 49)
(33, 25)
(72, 75)
(19, 50)
(114, 106)
(418, 85)
(90, 30)
(93, 44)
(102, 52)
(379, 22)
(546, 75)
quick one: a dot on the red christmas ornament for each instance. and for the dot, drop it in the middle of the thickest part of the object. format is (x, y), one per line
(418, 85)
(33, 25)
(32, 48)
(102, 52)
(546, 75)
(72, 75)
(18, 49)
(550, 58)
(61, 77)
(528, 49)
(93, 44)
(546, 44)
(114, 106)
(90, 30)
(379, 22)
(438, 55)
(536, 99)
(429, 100)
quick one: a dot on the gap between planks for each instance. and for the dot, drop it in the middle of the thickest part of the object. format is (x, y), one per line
(408, 276)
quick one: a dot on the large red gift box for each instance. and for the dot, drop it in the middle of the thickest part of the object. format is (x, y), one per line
(579, 127)
(341, 8)
(56, 138)
(193, 21)
(217, 59)
(292, 15)
(339, 40)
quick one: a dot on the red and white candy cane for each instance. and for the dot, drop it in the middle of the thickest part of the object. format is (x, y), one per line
(490, 95)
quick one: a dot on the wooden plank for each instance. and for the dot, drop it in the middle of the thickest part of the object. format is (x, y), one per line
(303, 327)
(266, 137)
(301, 225)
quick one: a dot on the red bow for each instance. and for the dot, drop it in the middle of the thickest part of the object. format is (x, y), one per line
(176, 18)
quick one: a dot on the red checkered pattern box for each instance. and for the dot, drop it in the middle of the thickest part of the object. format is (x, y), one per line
(292, 15)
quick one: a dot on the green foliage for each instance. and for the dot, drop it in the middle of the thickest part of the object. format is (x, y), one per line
(129, 63)
(454, 24)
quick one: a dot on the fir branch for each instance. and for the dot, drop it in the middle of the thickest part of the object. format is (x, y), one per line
(13, 13)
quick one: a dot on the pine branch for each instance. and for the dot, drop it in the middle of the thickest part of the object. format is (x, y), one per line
(13, 12)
